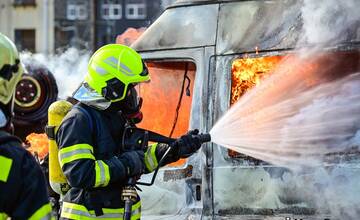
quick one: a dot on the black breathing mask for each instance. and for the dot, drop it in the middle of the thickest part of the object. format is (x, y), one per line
(130, 106)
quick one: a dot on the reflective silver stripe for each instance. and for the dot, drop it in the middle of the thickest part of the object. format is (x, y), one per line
(151, 162)
(87, 214)
(76, 211)
(136, 211)
(125, 68)
(102, 172)
(72, 153)
(113, 62)
(46, 217)
(150, 158)
(100, 70)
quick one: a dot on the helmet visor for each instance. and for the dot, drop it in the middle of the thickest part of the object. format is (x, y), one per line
(91, 98)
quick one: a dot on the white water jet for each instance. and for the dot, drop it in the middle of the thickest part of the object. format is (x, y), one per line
(286, 122)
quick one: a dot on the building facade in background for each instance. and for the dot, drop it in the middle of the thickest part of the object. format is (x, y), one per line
(48, 26)
(29, 23)
(91, 24)
(74, 24)
(113, 17)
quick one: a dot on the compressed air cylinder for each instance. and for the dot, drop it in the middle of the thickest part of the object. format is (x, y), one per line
(56, 113)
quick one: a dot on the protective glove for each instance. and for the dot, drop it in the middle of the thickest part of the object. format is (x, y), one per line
(133, 162)
(188, 144)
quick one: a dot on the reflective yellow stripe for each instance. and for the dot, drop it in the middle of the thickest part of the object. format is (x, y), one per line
(136, 211)
(102, 173)
(75, 152)
(3, 216)
(5, 167)
(42, 213)
(76, 211)
(150, 158)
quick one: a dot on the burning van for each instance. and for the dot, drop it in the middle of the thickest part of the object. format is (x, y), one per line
(203, 56)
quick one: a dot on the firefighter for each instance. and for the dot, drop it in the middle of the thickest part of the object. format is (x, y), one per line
(90, 136)
(23, 193)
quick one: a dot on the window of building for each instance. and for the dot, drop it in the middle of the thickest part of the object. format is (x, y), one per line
(25, 39)
(111, 10)
(24, 2)
(135, 9)
(76, 11)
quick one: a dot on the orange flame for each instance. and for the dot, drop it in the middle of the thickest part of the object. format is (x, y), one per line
(161, 98)
(248, 72)
(39, 144)
(129, 36)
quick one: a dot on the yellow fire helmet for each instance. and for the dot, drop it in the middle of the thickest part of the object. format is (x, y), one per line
(10, 69)
(112, 70)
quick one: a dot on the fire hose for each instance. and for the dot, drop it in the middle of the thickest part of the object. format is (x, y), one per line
(136, 138)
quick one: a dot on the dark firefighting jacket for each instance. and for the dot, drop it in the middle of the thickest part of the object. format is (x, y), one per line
(89, 146)
(23, 192)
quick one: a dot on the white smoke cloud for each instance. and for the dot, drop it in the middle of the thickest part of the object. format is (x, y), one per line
(68, 68)
(330, 21)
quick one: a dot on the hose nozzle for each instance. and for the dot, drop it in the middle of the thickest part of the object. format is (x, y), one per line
(204, 138)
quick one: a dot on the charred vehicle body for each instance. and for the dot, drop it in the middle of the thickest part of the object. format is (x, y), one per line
(197, 53)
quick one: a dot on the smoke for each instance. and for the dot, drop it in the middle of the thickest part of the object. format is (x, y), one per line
(335, 189)
(330, 22)
(68, 68)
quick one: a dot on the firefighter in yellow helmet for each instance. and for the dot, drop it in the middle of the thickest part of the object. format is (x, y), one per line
(90, 137)
(23, 192)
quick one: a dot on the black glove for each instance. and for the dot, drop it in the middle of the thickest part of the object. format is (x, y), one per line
(133, 162)
(188, 144)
